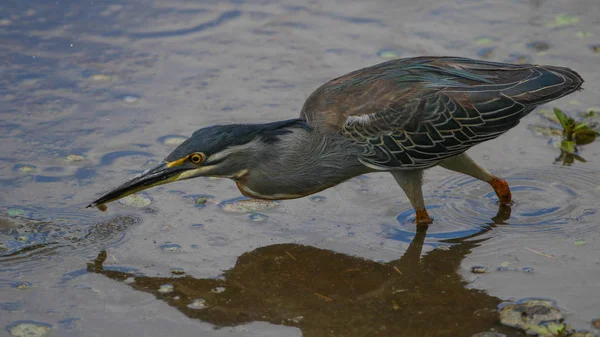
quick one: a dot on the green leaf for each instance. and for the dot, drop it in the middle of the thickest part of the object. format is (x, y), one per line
(568, 146)
(581, 126)
(563, 119)
(584, 137)
(549, 115)
(579, 158)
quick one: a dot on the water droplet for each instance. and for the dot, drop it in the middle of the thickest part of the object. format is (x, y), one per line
(130, 99)
(197, 304)
(170, 247)
(177, 271)
(136, 200)
(218, 290)
(317, 198)
(479, 269)
(165, 288)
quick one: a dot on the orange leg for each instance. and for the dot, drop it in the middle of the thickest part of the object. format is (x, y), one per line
(423, 218)
(502, 190)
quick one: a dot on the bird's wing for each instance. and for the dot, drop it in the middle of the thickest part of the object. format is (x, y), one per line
(412, 113)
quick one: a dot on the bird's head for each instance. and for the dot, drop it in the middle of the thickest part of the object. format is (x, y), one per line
(228, 151)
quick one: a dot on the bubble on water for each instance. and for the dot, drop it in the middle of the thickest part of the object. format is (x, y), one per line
(25, 168)
(218, 290)
(136, 200)
(257, 217)
(100, 78)
(317, 198)
(479, 269)
(29, 329)
(388, 54)
(172, 140)
(23, 285)
(74, 157)
(177, 271)
(245, 205)
(166, 288)
(170, 247)
(130, 99)
(197, 304)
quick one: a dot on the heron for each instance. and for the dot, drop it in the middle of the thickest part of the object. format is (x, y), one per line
(402, 116)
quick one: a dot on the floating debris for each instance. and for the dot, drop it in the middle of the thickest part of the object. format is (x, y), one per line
(596, 323)
(479, 270)
(595, 48)
(102, 207)
(131, 99)
(518, 58)
(583, 35)
(129, 280)
(563, 20)
(25, 168)
(177, 271)
(101, 78)
(197, 304)
(218, 290)
(579, 243)
(13, 212)
(29, 329)
(22, 238)
(483, 41)
(74, 157)
(170, 247)
(172, 140)
(136, 200)
(538, 46)
(166, 288)
(486, 52)
(527, 314)
(388, 54)
(5, 22)
(317, 198)
(257, 217)
(527, 270)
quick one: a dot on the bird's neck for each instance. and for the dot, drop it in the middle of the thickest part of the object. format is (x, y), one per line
(302, 163)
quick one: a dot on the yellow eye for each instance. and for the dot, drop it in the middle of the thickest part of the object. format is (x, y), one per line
(197, 158)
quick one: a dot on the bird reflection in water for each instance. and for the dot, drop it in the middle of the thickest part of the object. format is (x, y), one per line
(324, 293)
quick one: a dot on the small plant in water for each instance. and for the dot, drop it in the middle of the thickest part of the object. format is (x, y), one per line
(572, 135)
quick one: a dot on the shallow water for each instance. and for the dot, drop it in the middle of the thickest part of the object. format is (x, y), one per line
(111, 80)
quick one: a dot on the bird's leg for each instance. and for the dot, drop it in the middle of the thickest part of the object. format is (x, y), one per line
(412, 182)
(465, 165)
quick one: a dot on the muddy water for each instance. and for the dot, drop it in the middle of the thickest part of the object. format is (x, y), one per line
(109, 80)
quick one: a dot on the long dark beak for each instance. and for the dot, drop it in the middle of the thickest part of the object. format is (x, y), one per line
(158, 175)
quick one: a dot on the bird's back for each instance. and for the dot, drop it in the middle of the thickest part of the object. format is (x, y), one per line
(414, 112)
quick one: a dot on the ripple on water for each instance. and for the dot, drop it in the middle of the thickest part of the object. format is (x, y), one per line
(544, 200)
(32, 237)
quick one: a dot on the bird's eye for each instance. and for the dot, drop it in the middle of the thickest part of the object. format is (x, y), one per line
(197, 158)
